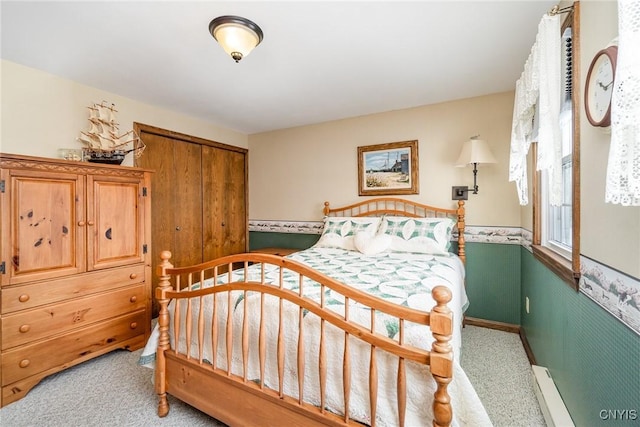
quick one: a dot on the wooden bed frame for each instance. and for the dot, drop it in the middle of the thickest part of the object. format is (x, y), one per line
(239, 400)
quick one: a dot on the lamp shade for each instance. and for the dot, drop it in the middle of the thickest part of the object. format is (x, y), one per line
(237, 36)
(475, 151)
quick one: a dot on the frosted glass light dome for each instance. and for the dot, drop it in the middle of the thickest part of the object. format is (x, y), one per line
(238, 36)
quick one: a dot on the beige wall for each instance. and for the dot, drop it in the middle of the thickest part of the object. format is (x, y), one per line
(610, 233)
(293, 171)
(42, 113)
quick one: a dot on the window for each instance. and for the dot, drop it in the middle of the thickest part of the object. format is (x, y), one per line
(556, 240)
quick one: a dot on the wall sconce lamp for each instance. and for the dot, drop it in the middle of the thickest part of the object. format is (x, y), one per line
(237, 36)
(474, 151)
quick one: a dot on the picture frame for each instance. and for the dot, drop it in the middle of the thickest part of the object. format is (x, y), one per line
(388, 169)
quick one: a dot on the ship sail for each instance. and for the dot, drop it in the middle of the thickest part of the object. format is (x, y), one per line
(103, 140)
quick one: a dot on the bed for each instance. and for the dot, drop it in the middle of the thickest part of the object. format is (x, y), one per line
(363, 328)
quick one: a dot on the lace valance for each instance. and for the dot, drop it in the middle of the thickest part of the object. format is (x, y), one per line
(623, 168)
(538, 93)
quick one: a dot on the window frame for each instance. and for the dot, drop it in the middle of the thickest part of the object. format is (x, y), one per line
(567, 269)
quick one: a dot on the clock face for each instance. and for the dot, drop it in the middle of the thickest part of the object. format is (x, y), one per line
(600, 89)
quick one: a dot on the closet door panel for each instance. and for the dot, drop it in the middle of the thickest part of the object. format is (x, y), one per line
(224, 208)
(236, 213)
(158, 156)
(187, 204)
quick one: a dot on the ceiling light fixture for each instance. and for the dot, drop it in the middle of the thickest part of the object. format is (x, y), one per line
(237, 36)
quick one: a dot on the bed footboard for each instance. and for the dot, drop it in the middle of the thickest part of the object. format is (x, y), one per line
(246, 346)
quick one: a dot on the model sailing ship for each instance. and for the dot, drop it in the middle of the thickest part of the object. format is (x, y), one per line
(103, 142)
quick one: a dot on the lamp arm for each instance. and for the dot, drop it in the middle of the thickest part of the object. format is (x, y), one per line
(475, 176)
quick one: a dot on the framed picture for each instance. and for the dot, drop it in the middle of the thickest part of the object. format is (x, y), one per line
(387, 169)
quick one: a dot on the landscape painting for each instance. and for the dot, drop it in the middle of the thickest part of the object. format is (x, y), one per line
(388, 169)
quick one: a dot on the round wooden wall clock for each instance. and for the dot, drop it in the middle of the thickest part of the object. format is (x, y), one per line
(599, 86)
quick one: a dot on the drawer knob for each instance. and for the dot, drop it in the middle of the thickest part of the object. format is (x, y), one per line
(81, 223)
(25, 328)
(133, 325)
(133, 276)
(24, 363)
(90, 222)
(133, 298)
(23, 298)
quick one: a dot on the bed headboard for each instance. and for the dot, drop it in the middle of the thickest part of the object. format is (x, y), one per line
(401, 207)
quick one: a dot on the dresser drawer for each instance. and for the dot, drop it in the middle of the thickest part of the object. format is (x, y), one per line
(51, 291)
(29, 325)
(30, 359)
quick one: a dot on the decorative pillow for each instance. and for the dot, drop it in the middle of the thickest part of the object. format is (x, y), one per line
(418, 235)
(339, 232)
(371, 245)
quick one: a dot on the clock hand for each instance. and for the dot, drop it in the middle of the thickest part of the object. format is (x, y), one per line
(603, 86)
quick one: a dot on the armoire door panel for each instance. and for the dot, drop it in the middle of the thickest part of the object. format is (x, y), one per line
(46, 230)
(115, 218)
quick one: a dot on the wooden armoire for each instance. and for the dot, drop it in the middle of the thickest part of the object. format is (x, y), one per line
(75, 265)
(199, 197)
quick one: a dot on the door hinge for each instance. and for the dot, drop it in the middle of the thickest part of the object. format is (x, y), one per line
(144, 249)
(2, 186)
(144, 191)
(2, 267)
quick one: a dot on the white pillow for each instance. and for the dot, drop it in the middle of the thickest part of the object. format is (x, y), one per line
(371, 245)
(418, 235)
(339, 232)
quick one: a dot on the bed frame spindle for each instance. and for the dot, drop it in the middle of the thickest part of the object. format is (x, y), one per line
(346, 365)
(402, 380)
(373, 374)
(300, 347)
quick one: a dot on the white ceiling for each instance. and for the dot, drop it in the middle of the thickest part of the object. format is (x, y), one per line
(319, 60)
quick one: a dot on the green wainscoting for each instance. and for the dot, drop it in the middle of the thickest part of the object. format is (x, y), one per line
(493, 282)
(594, 359)
(262, 239)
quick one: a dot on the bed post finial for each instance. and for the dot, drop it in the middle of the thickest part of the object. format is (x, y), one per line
(164, 284)
(441, 365)
(326, 209)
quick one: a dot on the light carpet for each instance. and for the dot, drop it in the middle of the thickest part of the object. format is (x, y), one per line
(112, 390)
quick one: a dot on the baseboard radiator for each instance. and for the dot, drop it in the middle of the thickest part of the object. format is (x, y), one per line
(551, 404)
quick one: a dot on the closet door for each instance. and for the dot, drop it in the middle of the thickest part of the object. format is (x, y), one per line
(224, 190)
(176, 223)
(199, 203)
(187, 204)
(177, 198)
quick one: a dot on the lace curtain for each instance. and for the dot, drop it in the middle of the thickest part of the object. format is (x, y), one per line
(623, 169)
(538, 93)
